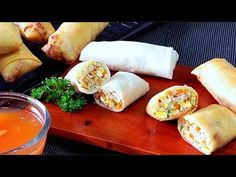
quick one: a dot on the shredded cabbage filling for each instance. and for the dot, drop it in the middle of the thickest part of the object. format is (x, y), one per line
(195, 135)
(94, 78)
(109, 99)
(175, 102)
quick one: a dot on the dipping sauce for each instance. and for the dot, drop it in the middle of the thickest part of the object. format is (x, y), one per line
(18, 127)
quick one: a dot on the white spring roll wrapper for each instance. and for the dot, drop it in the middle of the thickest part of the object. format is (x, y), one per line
(128, 86)
(136, 57)
(82, 69)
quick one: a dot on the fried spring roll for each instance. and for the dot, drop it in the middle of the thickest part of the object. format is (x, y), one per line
(208, 129)
(122, 89)
(219, 77)
(172, 103)
(88, 77)
(67, 42)
(10, 38)
(37, 32)
(17, 63)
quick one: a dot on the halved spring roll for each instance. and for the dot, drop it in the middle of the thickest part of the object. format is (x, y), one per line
(122, 89)
(10, 38)
(88, 77)
(172, 103)
(17, 63)
(208, 129)
(67, 42)
(37, 32)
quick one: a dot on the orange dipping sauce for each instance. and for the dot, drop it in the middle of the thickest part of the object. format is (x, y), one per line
(18, 127)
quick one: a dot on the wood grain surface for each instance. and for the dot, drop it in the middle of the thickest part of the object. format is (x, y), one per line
(133, 131)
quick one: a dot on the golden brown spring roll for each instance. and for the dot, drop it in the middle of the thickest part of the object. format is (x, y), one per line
(219, 78)
(172, 103)
(37, 32)
(67, 42)
(17, 63)
(208, 129)
(10, 38)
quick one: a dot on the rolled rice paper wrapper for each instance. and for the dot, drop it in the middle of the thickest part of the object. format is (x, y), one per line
(219, 77)
(173, 103)
(37, 32)
(67, 42)
(136, 57)
(15, 64)
(122, 89)
(10, 38)
(208, 129)
(89, 76)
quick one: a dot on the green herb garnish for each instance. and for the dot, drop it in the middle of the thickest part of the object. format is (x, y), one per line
(61, 92)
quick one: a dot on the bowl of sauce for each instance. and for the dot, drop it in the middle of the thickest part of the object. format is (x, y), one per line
(24, 124)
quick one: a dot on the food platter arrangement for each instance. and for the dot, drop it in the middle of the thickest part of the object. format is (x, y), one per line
(126, 96)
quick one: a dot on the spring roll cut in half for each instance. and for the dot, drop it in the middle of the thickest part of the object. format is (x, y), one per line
(67, 42)
(37, 32)
(17, 63)
(122, 89)
(136, 57)
(10, 38)
(219, 77)
(208, 129)
(172, 103)
(88, 77)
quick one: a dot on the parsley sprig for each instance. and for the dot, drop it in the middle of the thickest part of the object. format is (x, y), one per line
(61, 92)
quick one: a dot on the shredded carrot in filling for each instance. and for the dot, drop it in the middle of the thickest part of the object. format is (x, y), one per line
(194, 134)
(191, 136)
(175, 102)
(198, 129)
(94, 78)
(109, 99)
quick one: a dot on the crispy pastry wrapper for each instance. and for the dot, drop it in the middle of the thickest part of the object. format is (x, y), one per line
(37, 32)
(10, 38)
(67, 42)
(127, 88)
(208, 129)
(219, 77)
(80, 74)
(17, 63)
(136, 57)
(163, 107)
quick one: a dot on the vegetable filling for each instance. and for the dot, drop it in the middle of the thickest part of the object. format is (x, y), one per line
(195, 135)
(175, 102)
(94, 78)
(109, 99)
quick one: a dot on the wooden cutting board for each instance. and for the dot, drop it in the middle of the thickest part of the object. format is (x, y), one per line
(133, 131)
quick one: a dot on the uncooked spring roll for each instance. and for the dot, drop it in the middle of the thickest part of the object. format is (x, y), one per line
(17, 63)
(219, 77)
(10, 38)
(172, 103)
(136, 57)
(37, 32)
(122, 89)
(208, 129)
(67, 42)
(88, 77)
